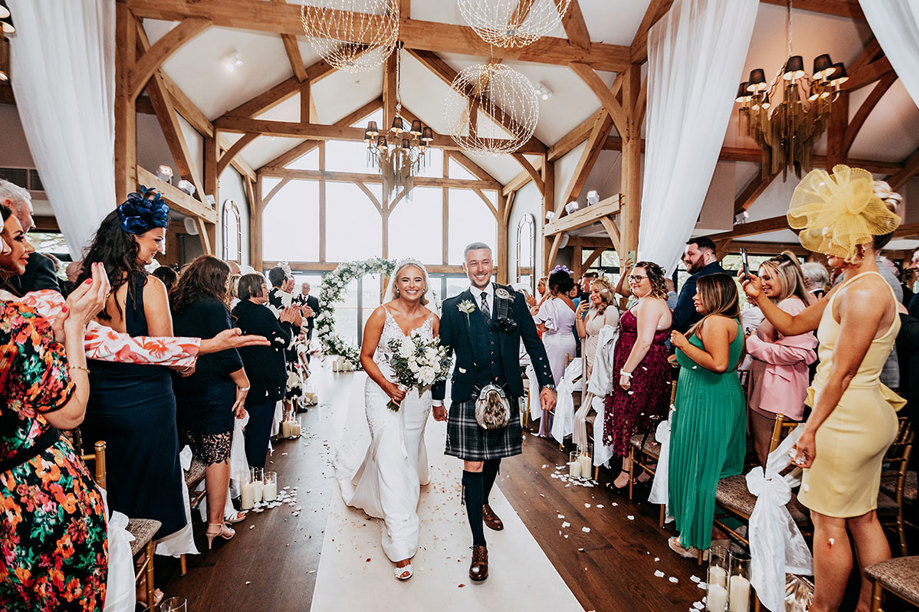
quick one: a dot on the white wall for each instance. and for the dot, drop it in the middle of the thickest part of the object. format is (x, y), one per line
(231, 187)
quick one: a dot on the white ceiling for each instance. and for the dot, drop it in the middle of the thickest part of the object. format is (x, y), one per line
(891, 133)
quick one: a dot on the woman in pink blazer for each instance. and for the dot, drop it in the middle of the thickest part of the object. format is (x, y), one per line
(779, 373)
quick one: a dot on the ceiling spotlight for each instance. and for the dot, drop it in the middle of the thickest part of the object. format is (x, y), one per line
(571, 206)
(187, 186)
(592, 198)
(164, 173)
(231, 62)
(549, 216)
(542, 92)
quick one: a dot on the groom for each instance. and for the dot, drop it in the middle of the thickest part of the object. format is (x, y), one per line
(484, 326)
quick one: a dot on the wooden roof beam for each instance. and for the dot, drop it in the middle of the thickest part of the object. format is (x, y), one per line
(584, 216)
(752, 191)
(288, 129)
(158, 53)
(638, 50)
(606, 95)
(763, 226)
(586, 162)
(529, 169)
(284, 18)
(839, 8)
(282, 91)
(910, 169)
(861, 115)
(575, 26)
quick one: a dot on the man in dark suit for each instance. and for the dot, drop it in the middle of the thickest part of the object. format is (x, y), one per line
(40, 271)
(484, 326)
(700, 260)
(313, 302)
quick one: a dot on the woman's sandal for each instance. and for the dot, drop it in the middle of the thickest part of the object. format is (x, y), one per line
(612, 485)
(224, 533)
(236, 517)
(691, 553)
(404, 573)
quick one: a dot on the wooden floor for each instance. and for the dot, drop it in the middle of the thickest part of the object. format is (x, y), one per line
(272, 562)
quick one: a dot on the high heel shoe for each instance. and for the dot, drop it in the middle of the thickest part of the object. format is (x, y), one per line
(612, 485)
(225, 533)
(404, 573)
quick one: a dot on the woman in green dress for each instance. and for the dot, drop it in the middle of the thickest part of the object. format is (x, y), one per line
(707, 439)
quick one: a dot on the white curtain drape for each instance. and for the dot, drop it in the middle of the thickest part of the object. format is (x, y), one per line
(896, 25)
(63, 65)
(696, 55)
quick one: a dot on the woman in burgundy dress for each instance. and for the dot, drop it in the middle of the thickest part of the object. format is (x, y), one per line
(640, 359)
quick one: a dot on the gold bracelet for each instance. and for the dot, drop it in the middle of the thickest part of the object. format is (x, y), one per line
(78, 367)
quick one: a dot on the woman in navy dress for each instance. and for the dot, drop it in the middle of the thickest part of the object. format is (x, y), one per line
(132, 407)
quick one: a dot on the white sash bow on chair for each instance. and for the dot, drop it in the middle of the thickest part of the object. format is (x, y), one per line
(660, 492)
(776, 543)
(563, 424)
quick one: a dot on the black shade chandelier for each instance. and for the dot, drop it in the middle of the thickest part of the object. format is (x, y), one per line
(6, 28)
(399, 153)
(787, 115)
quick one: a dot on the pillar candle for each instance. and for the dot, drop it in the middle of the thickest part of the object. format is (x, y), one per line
(270, 491)
(248, 491)
(740, 594)
(294, 429)
(257, 488)
(586, 465)
(717, 598)
(574, 469)
(285, 429)
(718, 575)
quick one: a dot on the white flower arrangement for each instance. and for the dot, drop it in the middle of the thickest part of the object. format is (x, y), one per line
(330, 292)
(417, 362)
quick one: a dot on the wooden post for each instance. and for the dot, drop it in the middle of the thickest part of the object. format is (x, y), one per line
(503, 255)
(125, 111)
(836, 130)
(631, 163)
(548, 204)
(255, 225)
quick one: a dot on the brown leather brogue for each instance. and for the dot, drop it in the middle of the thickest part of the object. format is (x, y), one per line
(478, 569)
(491, 519)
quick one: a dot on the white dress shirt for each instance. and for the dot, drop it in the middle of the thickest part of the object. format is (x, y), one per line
(489, 291)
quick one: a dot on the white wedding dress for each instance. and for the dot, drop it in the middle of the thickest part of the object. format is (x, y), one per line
(387, 484)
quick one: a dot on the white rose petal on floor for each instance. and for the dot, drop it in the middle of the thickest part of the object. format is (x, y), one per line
(521, 577)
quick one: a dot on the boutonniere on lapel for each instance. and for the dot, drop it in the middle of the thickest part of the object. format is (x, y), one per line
(502, 322)
(466, 307)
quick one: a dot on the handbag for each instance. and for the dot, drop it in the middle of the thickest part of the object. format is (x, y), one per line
(492, 408)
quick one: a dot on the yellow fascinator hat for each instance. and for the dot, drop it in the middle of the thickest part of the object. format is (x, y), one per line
(837, 212)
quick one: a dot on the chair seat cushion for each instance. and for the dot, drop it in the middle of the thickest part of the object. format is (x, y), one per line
(889, 486)
(647, 444)
(194, 474)
(900, 575)
(143, 531)
(732, 494)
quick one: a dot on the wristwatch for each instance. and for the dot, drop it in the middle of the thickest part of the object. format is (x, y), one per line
(550, 387)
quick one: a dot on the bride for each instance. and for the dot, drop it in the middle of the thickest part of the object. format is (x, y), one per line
(388, 483)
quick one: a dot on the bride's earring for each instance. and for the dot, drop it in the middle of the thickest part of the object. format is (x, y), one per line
(396, 292)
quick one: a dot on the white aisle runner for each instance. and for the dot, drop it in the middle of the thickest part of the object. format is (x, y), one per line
(355, 574)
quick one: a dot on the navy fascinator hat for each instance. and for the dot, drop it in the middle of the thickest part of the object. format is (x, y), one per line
(143, 211)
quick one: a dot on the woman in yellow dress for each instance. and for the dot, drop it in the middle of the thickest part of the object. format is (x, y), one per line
(853, 421)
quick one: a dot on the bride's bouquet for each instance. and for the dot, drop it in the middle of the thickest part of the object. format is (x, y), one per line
(417, 362)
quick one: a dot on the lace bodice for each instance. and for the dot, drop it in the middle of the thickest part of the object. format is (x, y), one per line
(392, 331)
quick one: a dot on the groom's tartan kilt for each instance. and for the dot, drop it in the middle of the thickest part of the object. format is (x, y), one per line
(468, 441)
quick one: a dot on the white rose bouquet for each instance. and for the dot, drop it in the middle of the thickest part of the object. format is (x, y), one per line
(417, 362)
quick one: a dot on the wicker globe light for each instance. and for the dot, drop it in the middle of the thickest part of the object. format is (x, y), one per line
(351, 35)
(513, 23)
(492, 109)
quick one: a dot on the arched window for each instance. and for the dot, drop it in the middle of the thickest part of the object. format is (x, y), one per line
(232, 232)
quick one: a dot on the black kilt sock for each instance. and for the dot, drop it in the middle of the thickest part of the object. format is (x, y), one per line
(475, 497)
(489, 474)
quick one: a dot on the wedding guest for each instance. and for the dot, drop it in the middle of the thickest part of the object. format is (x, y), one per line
(55, 553)
(169, 277)
(816, 278)
(132, 406)
(640, 358)
(908, 352)
(907, 283)
(264, 365)
(279, 299)
(584, 285)
(700, 260)
(841, 217)
(40, 272)
(542, 294)
(708, 427)
(593, 315)
(312, 302)
(672, 296)
(779, 374)
(556, 321)
(208, 400)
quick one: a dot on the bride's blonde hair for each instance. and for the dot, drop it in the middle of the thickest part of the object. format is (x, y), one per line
(401, 265)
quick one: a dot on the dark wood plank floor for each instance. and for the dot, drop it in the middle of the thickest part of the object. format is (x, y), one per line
(273, 565)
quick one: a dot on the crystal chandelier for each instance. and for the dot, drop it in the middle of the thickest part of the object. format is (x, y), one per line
(513, 23)
(787, 115)
(493, 109)
(352, 35)
(399, 154)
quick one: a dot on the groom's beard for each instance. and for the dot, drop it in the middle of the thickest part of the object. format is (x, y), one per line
(487, 283)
